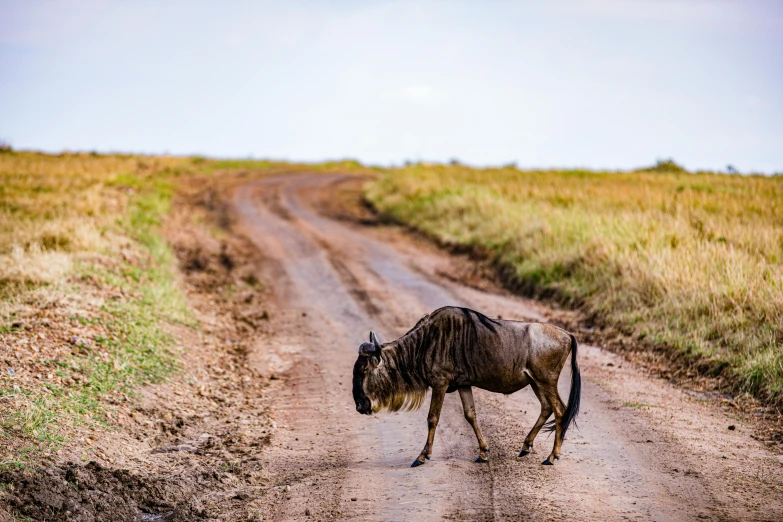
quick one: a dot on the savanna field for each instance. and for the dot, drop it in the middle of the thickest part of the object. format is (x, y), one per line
(140, 303)
(682, 262)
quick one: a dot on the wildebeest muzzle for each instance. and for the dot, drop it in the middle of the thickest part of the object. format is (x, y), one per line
(364, 406)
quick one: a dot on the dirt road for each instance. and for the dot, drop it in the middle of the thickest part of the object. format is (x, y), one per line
(644, 450)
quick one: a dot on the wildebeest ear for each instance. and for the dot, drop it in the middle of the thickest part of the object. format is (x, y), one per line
(374, 340)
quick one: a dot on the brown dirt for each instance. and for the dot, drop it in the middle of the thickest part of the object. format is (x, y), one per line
(268, 381)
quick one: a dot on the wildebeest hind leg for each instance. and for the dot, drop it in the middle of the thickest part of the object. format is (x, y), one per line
(559, 407)
(438, 394)
(546, 411)
(466, 394)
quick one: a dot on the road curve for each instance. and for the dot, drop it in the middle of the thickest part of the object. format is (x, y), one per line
(644, 450)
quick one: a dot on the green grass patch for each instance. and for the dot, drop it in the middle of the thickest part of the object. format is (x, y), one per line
(640, 405)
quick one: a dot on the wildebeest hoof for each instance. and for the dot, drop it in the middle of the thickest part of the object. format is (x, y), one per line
(481, 459)
(523, 453)
(418, 462)
(547, 462)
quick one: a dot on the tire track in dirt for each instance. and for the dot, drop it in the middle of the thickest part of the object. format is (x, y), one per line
(334, 282)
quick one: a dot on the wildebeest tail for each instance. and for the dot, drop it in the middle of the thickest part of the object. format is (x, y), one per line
(572, 409)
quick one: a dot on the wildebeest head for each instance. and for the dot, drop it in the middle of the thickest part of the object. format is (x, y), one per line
(369, 359)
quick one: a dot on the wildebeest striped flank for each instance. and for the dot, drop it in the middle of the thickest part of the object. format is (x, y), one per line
(454, 349)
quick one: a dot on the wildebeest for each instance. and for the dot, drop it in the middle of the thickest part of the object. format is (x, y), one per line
(456, 348)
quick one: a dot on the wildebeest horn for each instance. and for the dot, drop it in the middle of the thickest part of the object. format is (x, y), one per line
(374, 340)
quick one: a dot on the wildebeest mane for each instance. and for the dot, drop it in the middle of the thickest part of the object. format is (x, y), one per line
(483, 320)
(401, 381)
(397, 385)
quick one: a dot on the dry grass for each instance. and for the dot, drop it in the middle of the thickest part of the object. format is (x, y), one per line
(689, 262)
(53, 208)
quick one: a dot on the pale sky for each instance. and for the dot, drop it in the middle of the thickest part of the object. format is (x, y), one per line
(601, 84)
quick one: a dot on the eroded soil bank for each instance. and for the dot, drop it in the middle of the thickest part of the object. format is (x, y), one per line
(190, 448)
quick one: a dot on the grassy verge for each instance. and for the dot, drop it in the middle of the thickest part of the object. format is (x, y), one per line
(82, 335)
(691, 263)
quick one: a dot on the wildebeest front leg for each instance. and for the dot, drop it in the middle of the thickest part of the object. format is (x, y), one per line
(438, 394)
(466, 394)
